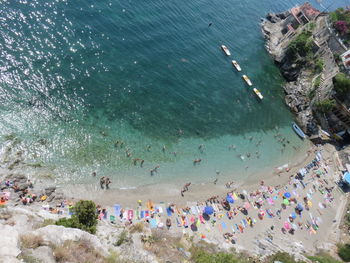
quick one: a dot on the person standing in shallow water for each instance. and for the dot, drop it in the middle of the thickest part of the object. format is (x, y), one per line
(102, 182)
(108, 182)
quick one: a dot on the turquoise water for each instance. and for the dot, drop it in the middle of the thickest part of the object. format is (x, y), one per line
(77, 76)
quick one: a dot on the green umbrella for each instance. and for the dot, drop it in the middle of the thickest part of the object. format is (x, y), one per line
(286, 201)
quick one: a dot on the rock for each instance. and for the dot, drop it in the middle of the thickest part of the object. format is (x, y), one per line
(50, 190)
(44, 254)
(9, 242)
(272, 18)
(57, 235)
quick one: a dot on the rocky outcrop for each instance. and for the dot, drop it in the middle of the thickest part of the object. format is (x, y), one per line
(298, 74)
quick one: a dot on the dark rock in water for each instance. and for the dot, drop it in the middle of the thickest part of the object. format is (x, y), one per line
(283, 15)
(272, 18)
(50, 190)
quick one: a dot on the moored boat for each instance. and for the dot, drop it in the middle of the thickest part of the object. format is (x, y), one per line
(298, 131)
(258, 93)
(247, 80)
(236, 65)
(225, 49)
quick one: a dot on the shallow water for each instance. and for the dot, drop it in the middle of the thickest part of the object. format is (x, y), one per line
(78, 76)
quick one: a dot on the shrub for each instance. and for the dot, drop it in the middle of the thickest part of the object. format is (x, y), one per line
(47, 222)
(301, 45)
(341, 84)
(325, 106)
(283, 257)
(84, 217)
(341, 27)
(344, 252)
(137, 228)
(31, 241)
(123, 237)
(323, 258)
(199, 255)
(319, 64)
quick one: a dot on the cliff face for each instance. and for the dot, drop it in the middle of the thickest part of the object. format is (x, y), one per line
(300, 76)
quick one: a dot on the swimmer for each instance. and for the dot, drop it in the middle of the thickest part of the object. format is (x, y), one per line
(152, 172)
(135, 161)
(216, 180)
(248, 155)
(163, 149)
(201, 147)
(148, 148)
(141, 163)
(93, 174)
(174, 153)
(116, 144)
(250, 138)
(217, 172)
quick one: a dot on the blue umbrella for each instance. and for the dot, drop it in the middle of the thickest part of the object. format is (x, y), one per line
(287, 195)
(208, 210)
(300, 207)
(230, 199)
(294, 215)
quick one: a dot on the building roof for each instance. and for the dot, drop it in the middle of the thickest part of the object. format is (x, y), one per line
(307, 9)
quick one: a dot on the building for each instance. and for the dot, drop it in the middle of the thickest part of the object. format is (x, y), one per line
(299, 15)
(345, 57)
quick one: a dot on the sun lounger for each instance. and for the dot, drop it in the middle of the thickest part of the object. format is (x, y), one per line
(178, 222)
(194, 210)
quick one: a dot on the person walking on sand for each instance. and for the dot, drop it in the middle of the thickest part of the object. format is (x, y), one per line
(186, 186)
(216, 180)
(102, 182)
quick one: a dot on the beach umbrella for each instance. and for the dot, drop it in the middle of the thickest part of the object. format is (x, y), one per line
(286, 201)
(287, 195)
(286, 225)
(208, 210)
(309, 203)
(293, 215)
(300, 207)
(246, 205)
(244, 192)
(230, 199)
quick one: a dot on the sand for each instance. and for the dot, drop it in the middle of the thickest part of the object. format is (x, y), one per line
(257, 239)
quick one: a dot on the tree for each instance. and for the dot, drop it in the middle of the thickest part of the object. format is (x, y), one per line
(326, 105)
(341, 27)
(341, 84)
(84, 217)
(344, 252)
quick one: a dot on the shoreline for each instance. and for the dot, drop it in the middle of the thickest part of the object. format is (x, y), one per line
(168, 193)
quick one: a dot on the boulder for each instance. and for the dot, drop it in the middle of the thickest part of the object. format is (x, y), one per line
(44, 254)
(9, 242)
(50, 190)
(57, 235)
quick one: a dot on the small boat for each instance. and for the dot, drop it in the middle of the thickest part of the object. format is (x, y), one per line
(225, 49)
(236, 65)
(247, 80)
(257, 92)
(298, 131)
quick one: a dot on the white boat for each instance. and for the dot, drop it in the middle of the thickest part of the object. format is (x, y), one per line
(257, 92)
(225, 49)
(236, 65)
(247, 80)
(298, 131)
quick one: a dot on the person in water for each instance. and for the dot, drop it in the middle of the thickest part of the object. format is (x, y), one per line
(102, 182)
(108, 182)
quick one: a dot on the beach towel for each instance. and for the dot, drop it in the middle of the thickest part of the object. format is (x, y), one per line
(233, 230)
(142, 214)
(270, 201)
(178, 222)
(198, 223)
(237, 226)
(150, 205)
(138, 214)
(220, 227)
(202, 219)
(117, 208)
(194, 210)
(245, 223)
(192, 219)
(235, 197)
(112, 218)
(147, 214)
(130, 214)
(153, 223)
(125, 215)
(223, 224)
(168, 211)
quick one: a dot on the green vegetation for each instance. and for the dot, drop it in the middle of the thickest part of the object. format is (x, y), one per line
(344, 252)
(341, 84)
(123, 237)
(325, 106)
(319, 65)
(317, 82)
(199, 255)
(302, 45)
(84, 217)
(323, 258)
(48, 222)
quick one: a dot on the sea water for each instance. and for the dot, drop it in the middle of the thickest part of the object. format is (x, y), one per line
(77, 76)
